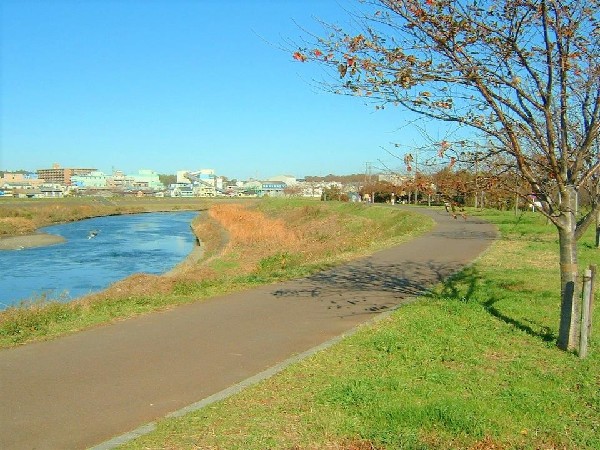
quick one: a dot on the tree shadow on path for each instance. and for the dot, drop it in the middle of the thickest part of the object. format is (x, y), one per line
(369, 287)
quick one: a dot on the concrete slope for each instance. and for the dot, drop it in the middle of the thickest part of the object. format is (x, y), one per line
(81, 390)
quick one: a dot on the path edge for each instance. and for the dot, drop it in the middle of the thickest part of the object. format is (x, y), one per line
(271, 371)
(244, 384)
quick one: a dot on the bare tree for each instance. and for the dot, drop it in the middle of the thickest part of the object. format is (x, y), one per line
(522, 74)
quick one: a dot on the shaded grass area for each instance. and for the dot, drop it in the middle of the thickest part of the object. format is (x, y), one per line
(471, 366)
(244, 245)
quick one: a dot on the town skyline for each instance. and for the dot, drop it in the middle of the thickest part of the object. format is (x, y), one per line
(115, 170)
(165, 84)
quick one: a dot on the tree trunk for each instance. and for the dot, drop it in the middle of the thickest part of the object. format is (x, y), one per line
(570, 309)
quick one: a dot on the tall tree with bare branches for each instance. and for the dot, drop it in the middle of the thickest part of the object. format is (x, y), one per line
(522, 74)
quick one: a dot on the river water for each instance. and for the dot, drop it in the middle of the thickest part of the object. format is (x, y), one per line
(124, 245)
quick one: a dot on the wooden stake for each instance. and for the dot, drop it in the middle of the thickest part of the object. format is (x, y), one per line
(585, 313)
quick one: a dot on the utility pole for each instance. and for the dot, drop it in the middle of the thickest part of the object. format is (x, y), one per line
(368, 170)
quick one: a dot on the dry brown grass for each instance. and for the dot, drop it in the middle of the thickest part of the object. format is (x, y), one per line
(250, 228)
(16, 225)
(253, 234)
(312, 232)
(26, 218)
(27, 215)
(239, 237)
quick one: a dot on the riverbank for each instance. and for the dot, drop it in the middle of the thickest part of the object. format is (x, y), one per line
(131, 245)
(244, 244)
(23, 217)
(29, 241)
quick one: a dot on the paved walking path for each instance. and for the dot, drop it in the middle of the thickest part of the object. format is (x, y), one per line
(81, 390)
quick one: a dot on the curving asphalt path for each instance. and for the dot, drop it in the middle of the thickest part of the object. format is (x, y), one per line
(82, 390)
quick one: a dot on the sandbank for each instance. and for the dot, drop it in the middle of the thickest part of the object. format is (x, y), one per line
(29, 241)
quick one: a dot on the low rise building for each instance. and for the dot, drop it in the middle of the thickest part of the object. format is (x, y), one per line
(20, 180)
(273, 188)
(204, 182)
(146, 178)
(52, 190)
(289, 180)
(60, 175)
(264, 188)
(95, 179)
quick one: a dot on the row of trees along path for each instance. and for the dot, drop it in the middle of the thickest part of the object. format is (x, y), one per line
(523, 76)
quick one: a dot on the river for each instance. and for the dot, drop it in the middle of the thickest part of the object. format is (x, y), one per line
(84, 263)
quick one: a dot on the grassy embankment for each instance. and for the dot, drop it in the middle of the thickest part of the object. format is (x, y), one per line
(473, 365)
(244, 245)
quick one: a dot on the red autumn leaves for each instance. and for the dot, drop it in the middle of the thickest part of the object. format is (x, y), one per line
(299, 56)
(342, 67)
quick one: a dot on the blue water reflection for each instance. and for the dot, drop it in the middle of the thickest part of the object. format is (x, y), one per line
(127, 244)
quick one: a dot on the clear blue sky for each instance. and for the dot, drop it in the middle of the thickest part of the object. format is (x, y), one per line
(175, 85)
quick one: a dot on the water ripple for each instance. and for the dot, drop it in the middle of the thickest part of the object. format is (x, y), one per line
(123, 245)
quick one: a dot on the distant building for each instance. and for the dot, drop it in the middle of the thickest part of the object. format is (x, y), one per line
(287, 179)
(264, 188)
(61, 176)
(392, 178)
(45, 190)
(146, 178)
(311, 189)
(119, 181)
(20, 179)
(273, 188)
(95, 179)
(181, 190)
(204, 182)
(52, 190)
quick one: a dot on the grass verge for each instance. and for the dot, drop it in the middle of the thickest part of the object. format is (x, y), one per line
(471, 366)
(245, 244)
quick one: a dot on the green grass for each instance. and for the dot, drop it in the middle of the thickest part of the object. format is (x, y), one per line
(472, 365)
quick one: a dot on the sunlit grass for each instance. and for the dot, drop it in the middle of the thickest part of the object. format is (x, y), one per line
(473, 365)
